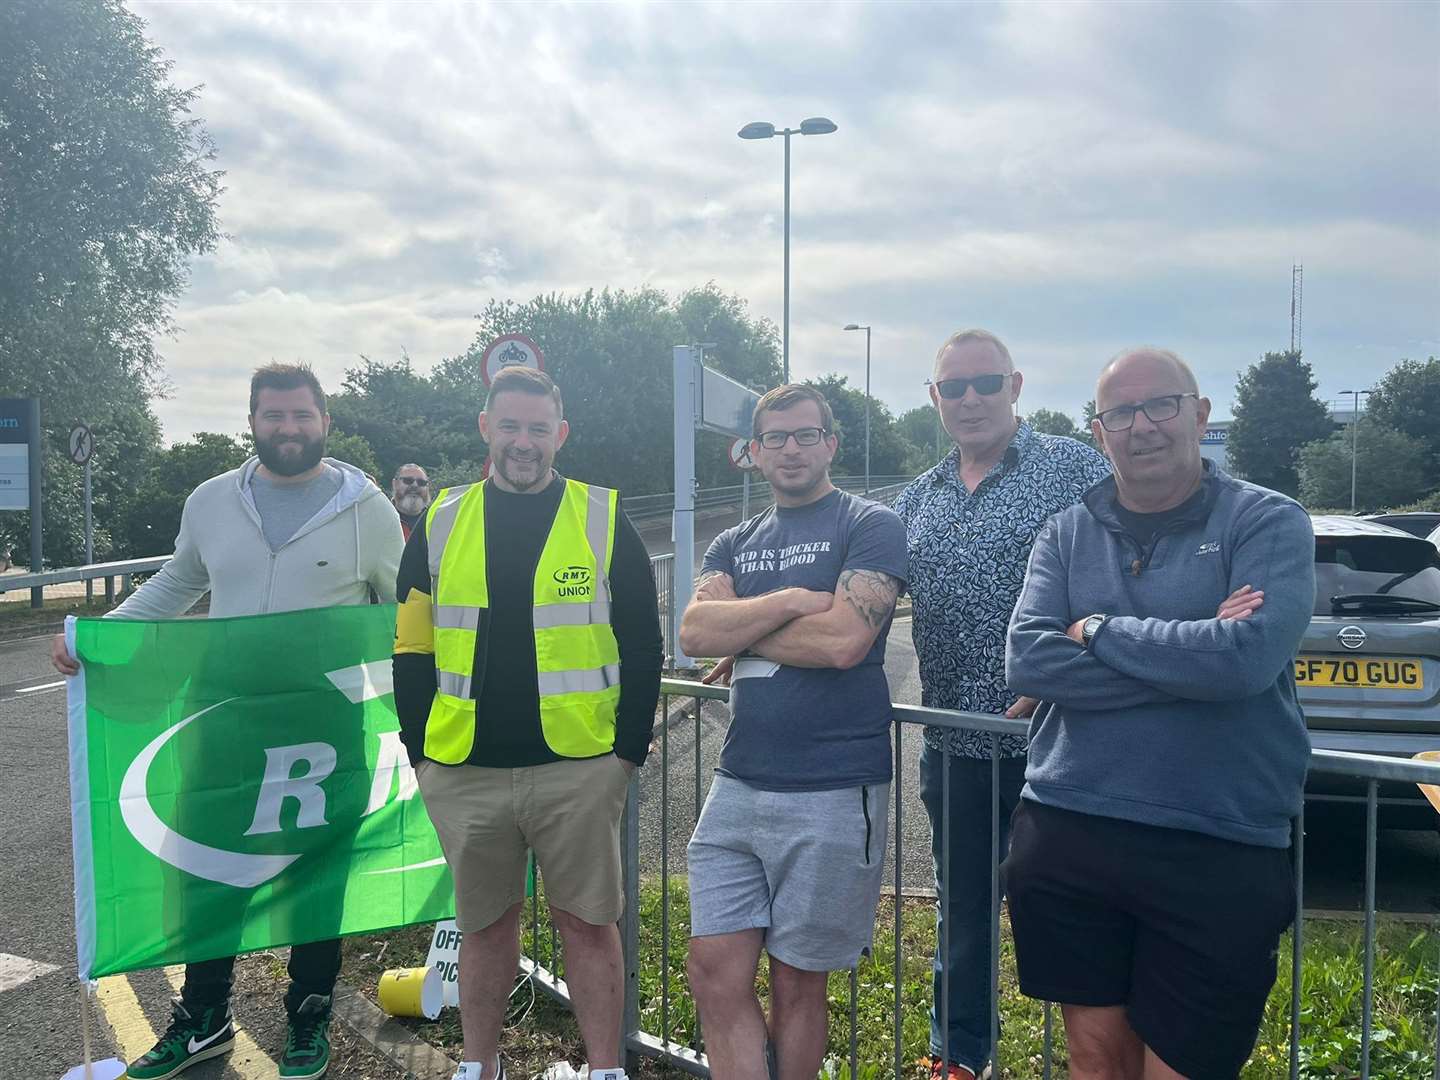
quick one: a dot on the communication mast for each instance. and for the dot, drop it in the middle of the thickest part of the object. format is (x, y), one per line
(1297, 287)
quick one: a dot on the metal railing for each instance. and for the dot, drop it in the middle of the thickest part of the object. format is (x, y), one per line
(663, 568)
(110, 572)
(690, 1057)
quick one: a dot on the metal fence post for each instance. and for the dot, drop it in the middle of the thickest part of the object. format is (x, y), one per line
(630, 921)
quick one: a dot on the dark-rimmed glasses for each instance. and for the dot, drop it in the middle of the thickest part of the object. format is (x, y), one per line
(413, 481)
(1157, 410)
(805, 436)
(985, 385)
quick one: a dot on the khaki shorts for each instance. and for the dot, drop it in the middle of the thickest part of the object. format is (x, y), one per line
(567, 811)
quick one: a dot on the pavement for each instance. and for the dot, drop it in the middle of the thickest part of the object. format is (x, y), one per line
(41, 1032)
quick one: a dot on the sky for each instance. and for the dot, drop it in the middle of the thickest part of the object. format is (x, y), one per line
(1074, 177)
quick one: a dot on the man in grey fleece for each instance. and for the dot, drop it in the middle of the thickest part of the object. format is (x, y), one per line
(1148, 875)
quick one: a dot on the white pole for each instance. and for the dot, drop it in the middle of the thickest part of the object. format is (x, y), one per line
(685, 370)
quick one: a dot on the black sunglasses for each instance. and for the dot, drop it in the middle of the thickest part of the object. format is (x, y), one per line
(986, 385)
(413, 480)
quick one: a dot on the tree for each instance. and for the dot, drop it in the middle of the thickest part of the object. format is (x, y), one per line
(1408, 399)
(153, 520)
(1276, 413)
(920, 429)
(1086, 434)
(887, 450)
(1053, 422)
(1390, 469)
(105, 195)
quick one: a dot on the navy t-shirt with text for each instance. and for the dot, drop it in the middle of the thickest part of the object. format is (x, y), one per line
(809, 729)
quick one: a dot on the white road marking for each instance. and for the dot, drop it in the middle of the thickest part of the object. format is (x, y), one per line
(17, 971)
(42, 686)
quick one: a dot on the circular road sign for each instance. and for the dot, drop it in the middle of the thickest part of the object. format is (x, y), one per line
(82, 444)
(508, 350)
(740, 455)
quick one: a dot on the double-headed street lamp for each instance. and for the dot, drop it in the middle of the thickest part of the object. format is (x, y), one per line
(1354, 440)
(816, 125)
(857, 326)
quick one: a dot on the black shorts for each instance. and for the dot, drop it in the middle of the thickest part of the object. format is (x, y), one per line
(1179, 927)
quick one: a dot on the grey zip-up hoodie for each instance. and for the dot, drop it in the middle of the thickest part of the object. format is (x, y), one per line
(1171, 717)
(351, 545)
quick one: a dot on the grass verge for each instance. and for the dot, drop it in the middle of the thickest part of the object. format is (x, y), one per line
(538, 1031)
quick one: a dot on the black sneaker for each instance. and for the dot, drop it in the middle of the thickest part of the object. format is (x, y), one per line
(208, 1033)
(307, 1040)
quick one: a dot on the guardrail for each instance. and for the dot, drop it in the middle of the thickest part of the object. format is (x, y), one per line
(691, 1058)
(109, 572)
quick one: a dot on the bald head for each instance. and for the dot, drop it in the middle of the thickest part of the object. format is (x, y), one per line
(1147, 364)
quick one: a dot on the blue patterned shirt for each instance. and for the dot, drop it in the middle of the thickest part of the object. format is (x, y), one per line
(968, 553)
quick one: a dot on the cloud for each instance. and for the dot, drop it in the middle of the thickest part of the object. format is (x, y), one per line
(1078, 177)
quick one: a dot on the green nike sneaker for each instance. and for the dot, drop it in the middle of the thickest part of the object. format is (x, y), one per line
(189, 1039)
(307, 1041)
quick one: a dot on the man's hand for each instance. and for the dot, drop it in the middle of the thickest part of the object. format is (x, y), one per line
(61, 658)
(1240, 604)
(628, 765)
(809, 601)
(1076, 633)
(720, 673)
(1022, 709)
(713, 585)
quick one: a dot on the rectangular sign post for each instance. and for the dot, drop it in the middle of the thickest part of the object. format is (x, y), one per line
(20, 474)
(704, 399)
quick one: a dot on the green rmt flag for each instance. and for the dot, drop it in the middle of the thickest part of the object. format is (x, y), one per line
(237, 784)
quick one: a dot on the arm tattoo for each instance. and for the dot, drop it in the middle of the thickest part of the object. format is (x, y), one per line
(871, 593)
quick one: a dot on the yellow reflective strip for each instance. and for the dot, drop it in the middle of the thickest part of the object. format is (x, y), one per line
(457, 617)
(548, 616)
(579, 682)
(414, 632)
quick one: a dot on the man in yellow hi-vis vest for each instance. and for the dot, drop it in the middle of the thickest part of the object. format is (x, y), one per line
(527, 667)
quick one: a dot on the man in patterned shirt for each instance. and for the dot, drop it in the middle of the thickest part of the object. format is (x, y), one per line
(969, 524)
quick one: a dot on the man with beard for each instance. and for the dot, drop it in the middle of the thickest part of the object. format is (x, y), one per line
(788, 853)
(290, 529)
(527, 667)
(410, 492)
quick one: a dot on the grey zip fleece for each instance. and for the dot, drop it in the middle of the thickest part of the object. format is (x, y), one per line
(1171, 717)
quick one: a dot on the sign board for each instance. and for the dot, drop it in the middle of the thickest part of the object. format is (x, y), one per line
(82, 444)
(444, 957)
(510, 350)
(14, 454)
(725, 405)
(740, 455)
(1214, 437)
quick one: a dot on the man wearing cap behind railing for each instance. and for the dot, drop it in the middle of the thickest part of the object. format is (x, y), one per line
(527, 667)
(789, 850)
(1148, 875)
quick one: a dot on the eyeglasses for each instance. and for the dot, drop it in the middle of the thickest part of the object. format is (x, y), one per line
(1157, 410)
(805, 436)
(986, 385)
(413, 481)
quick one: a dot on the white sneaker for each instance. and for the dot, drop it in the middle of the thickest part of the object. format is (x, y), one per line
(563, 1070)
(473, 1070)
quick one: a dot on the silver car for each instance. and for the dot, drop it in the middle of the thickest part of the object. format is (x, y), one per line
(1368, 671)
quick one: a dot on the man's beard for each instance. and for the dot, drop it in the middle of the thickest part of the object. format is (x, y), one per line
(506, 467)
(290, 462)
(410, 503)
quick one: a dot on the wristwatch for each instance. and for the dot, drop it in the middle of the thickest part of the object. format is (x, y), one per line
(1089, 627)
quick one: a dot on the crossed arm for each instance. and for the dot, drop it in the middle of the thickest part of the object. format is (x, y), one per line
(799, 627)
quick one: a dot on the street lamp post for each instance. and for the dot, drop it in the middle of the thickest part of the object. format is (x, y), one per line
(857, 326)
(815, 125)
(1354, 440)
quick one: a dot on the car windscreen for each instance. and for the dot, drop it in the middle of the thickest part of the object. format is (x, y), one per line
(1355, 567)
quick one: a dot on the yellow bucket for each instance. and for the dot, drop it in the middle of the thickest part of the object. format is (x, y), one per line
(412, 992)
(1430, 791)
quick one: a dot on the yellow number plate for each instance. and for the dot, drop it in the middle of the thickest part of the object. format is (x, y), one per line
(1360, 672)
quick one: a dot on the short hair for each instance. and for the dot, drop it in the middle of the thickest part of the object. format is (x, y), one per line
(284, 377)
(788, 396)
(1187, 376)
(966, 337)
(407, 465)
(517, 378)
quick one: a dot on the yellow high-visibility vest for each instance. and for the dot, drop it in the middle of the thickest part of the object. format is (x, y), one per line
(576, 655)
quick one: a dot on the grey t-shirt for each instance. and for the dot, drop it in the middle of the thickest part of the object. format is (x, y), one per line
(284, 508)
(809, 729)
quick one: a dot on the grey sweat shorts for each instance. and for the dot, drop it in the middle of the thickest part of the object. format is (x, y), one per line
(804, 866)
